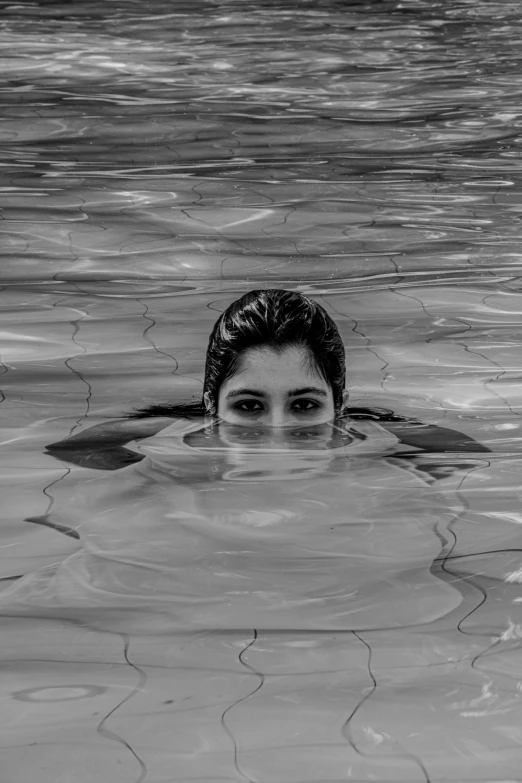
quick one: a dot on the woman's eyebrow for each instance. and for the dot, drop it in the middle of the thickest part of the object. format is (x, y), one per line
(307, 390)
(239, 392)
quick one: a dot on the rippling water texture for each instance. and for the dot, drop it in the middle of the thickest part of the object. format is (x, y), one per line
(211, 623)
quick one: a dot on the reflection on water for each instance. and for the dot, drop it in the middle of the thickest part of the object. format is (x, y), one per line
(233, 608)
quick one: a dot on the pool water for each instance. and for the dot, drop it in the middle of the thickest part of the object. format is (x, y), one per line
(327, 610)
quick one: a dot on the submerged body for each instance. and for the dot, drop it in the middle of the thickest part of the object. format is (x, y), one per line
(219, 526)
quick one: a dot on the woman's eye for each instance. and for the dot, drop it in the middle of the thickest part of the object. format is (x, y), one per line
(248, 406)
(305, 406)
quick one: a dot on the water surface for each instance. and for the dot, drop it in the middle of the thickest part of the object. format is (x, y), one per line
(193, 617)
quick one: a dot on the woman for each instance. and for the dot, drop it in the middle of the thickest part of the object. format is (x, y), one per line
(275, 360)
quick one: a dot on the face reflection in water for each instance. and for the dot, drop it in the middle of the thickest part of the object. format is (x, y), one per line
(241, 439)
(277, 390)
(273, 453)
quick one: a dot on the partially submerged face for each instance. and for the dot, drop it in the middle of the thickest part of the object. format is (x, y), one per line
(276, 389)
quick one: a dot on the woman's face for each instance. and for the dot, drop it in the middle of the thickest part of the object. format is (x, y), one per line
(276, 390)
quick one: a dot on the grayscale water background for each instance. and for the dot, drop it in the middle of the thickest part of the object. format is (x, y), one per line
(159, 159)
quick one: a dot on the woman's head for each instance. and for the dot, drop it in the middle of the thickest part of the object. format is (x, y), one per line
(275, 357)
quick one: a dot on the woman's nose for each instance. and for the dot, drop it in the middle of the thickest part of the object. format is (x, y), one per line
(278, 417)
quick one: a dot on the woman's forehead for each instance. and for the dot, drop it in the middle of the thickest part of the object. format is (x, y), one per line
(266, 362)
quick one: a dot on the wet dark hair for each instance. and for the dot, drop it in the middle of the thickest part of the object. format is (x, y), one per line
(272, 318)
(275, 319)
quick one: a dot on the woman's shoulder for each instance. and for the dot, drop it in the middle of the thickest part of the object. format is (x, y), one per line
(417, 434)
(141, 423)
(115, 432)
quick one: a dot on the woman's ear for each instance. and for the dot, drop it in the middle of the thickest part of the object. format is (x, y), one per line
(346, 397)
